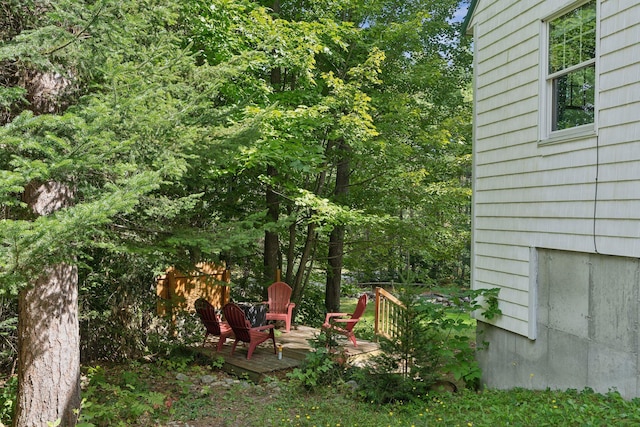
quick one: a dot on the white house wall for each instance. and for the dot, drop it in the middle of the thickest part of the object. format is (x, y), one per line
(531, 194)
(619, 133)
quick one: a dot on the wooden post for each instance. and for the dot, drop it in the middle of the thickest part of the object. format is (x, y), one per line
(377, 313)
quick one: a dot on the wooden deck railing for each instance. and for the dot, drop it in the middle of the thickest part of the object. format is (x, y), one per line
(388, 311)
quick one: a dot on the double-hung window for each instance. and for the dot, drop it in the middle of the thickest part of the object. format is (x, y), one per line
(570, 75)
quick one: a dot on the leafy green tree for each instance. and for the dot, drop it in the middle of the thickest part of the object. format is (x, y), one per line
(104, 132)
(364, 120)
(419, 171)
(302, 126)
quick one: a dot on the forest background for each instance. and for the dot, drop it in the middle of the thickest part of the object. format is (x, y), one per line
(327, 139)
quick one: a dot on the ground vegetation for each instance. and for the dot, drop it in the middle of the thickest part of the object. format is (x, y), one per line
(299, 137)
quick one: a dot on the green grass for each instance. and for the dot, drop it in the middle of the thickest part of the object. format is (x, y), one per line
(364, 327)
(348, 305)
(151, 394)
(277, 404)
(366, 324)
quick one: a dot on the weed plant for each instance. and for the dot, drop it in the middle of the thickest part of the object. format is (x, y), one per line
(118, 401)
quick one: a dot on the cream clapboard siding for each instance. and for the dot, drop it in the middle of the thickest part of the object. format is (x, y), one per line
(618, 208)
(528, 194)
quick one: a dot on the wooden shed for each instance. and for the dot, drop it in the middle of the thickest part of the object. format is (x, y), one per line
(177, 291)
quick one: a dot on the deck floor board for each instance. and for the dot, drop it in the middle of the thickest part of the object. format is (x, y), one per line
(265, 363)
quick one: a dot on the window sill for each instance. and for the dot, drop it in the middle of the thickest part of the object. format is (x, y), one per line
(568, 135)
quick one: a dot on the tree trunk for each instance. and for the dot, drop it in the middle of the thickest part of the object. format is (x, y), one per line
(336, 239)
(291, 251)
(271, 242)
(49, 350)
(334, 269)
(48, 332)
(309, 245)
(301, 277)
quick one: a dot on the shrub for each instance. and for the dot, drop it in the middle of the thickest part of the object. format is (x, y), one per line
(8, 393)
(118, 401)
(8, 332)
(325, 365)
(311, 310)
(433, 340)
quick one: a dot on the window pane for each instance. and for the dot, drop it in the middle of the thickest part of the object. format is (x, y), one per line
(572, 38)
(574, 98)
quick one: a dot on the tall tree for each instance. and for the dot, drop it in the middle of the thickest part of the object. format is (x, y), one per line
(336, 237)
(271, 239)
(48, 344)
(104, 110)
(307, 110)
(346, 130)
(415, 171)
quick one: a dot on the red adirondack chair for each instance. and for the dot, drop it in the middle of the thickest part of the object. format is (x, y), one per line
(244, 332)
(280, 305)
(349, 320)
(212, 322)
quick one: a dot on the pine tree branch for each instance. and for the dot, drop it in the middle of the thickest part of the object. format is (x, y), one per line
(77, 36)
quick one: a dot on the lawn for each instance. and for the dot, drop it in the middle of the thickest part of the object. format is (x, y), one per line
(364, 328)
(190, 390)
(174, 394)
(186, 388)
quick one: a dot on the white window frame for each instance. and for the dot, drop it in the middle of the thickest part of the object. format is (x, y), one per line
(546, 135)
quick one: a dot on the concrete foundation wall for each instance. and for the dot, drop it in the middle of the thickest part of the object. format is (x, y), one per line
(588, 317)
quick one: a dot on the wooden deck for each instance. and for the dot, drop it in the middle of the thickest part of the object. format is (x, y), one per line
(265, 363)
